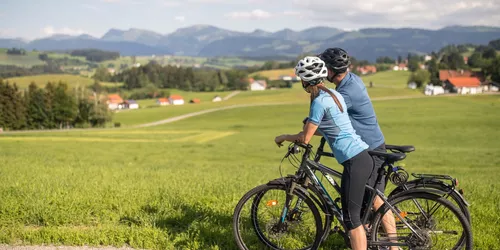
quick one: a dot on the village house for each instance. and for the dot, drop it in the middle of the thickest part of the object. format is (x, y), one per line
(176, 100)
(368, 69)
(162, 101)
(217, 99)
(463, 85)
(114, 102)
(400, 67)
(257, 85)
(131, 104)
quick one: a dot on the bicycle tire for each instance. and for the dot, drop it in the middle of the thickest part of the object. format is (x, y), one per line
(261, 190)
(429, 186)
(466, 237)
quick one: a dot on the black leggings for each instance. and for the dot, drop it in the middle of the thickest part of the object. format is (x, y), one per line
(357, 171)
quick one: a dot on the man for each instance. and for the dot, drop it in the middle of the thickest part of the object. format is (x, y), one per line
(361, 114)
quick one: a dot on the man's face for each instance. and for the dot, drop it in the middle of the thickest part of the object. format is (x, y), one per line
(330, 75)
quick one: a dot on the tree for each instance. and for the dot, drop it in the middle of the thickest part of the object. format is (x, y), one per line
(476, 60)
(385, 59)
(495, 44)
(36, 109)
(433, 71)
(400, 59)
(64, 106)
(102, 74)
(43, 57)
(454, 60)
(419, 77)
(413, 64)
(96, 87)
(495, 70)
(489, 53)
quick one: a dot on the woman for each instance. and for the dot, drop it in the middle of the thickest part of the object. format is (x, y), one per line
(328, 116)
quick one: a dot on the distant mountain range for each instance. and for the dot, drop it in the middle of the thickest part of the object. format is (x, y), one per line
(211, 41)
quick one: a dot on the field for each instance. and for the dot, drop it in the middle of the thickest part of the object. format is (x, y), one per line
(28, 60)
(185, 61)
(174, 186)
(42, 80)
(274, 74)
(392, 84)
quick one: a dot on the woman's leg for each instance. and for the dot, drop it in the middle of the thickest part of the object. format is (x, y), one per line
(357, 170)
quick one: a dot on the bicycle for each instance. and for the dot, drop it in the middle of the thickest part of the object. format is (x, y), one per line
(399, 177)
(306, 187)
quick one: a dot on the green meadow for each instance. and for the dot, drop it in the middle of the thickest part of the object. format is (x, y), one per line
(41, 80)
(175, 186)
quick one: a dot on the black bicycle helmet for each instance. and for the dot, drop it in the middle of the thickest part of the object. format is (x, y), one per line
(336, 59)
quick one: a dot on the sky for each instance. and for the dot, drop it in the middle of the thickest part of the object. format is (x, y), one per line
(31, 19)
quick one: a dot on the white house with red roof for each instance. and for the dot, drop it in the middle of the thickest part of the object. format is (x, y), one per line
(176, 100)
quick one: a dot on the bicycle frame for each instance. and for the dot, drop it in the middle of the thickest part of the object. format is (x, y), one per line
(306, 176)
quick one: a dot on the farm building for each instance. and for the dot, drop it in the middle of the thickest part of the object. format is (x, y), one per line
(400, 67)
(368, 69)
(217, 99)
(195, 100)
(257, 85)
(433, 90)
(176, 100)
(131, 104)
(412, 85)
(463, 85)
(114, 102)
(162, 101)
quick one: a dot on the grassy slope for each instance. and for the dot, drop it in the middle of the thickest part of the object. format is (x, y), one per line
(143, 188)
(294, 95)
(28, 60)
(42, 80)
(274, 74)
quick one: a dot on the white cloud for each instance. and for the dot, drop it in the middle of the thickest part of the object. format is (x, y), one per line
(7, 33)
(50, 30)
(254, 14)
(171, 3)
(180, 18)
(401, 13)
(90, 7)
(291, 13)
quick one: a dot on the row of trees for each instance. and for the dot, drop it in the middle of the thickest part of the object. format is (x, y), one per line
(16, 51)
(95, 55)
(188, 79)
(55, 106)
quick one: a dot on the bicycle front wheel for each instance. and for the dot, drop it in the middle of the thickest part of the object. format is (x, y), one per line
(263, 219)
(429, 221)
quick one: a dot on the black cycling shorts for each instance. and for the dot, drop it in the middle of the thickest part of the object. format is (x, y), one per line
(357, 171)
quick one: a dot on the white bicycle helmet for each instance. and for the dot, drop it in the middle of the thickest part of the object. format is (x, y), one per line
(311, 69)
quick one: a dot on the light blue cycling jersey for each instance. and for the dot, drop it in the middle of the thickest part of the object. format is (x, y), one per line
(336, 126)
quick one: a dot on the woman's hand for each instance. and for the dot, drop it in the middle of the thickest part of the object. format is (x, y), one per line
(279, 140)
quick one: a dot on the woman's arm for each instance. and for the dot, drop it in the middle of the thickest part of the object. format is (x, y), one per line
(303, 137)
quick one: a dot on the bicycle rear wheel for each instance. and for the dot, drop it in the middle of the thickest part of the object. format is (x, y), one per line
(430, 186)
(262, 220)
(437, 222)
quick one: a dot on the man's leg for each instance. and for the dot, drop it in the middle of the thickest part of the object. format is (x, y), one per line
(388, 221)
